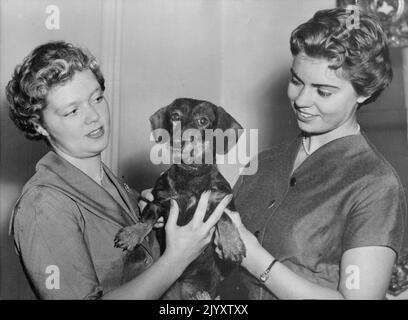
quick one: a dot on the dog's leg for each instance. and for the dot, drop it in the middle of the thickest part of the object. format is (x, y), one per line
(230, 243)
(129, 237)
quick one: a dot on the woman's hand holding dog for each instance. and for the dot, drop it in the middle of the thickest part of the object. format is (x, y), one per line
(247, 237)
(186, 243)
(149, 196)
(191, 239)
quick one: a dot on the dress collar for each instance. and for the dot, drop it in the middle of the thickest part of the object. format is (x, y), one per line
(335, 149)
(55, 172)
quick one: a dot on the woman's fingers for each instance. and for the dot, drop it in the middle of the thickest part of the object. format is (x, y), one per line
(217, 248)
(141, 205)
(209, 236)
(216, 238)
(147, 193)
(226, 210)
(219, 252)
(159, 223)
(201, 208)
(219, 210)
(235, 217)
(173, 214)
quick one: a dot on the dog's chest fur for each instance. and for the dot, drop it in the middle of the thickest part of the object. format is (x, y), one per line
(187, 185)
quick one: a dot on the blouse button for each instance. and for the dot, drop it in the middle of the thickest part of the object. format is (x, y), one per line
(292, 181)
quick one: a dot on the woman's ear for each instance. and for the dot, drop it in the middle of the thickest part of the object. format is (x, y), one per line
(361, 99)
(39, 128)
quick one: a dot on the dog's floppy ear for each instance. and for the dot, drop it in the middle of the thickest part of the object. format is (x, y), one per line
(230, 127)
(159, 122)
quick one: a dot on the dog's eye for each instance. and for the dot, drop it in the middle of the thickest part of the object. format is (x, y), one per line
(175, 117)
(203, 121)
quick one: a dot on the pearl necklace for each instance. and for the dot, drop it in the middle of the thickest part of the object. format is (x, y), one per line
(101, 175)
(308, 153)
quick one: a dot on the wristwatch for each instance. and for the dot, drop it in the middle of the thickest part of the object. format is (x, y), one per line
(265, 275)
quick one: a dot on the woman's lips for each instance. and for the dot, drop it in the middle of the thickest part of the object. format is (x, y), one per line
(305, 116)
(97, 133)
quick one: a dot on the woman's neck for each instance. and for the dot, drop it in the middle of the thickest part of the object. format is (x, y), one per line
(91, 166)
(314, 142)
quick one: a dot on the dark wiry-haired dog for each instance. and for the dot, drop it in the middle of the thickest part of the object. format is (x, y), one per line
(185, 182)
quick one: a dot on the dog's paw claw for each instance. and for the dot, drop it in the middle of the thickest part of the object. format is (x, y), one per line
(230, 243)
(234, 250)
(129, 237)
(202, 295)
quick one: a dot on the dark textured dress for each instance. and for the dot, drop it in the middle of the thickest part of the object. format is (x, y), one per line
(344, 195)
(64, 226)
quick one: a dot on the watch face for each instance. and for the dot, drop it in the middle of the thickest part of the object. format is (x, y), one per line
(393, 15)
(264, 276)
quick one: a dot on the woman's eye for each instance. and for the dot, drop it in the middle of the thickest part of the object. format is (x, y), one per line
(203, 121)
(295, 81)
(99, 99)
(175, 117)
(71, 113)
(323, 93)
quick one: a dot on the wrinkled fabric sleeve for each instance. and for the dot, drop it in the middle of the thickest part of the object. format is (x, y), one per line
(379, 217)
(48, 236)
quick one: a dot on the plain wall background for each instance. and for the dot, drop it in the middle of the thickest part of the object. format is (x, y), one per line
(234, 53)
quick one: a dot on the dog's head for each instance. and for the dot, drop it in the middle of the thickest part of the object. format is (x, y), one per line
(192, 127)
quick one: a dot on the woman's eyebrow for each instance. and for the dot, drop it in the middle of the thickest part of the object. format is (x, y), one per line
(316, 85)
(98, 88)
(295, 75)
(78, 101)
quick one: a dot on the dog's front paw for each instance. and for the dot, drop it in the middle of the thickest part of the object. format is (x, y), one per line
(204, 295)
(229, 241)
(233, 250)
(129, 237)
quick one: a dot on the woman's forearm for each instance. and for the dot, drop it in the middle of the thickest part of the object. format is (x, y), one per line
(152, 283)
(283, 282)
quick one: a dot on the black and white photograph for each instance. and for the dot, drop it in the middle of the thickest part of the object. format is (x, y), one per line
(223, 150)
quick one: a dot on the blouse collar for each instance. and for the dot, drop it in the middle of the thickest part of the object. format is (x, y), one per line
(55, 172)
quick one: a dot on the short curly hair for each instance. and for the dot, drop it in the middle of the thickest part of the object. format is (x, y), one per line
(360, 52)
(48, 65)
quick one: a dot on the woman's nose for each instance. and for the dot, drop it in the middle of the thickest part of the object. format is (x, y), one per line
(92, 114)
(304, 97)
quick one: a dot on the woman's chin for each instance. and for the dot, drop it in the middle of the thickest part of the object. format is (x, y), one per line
(305, 127)
(96, 148)
(100, 150)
